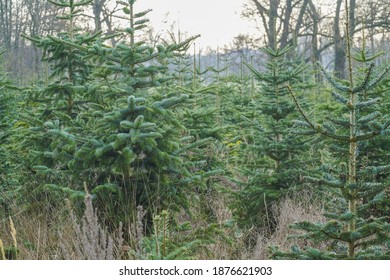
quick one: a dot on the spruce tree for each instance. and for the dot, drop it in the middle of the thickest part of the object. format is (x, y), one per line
(235, 101)
(9, 167)
(126, 142)
(51, 111)
(275, 163)
(201, 118)
(69, 67)
(352, 231)
(7, 101)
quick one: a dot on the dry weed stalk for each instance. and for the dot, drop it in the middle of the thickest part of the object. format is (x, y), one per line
(91, 241)
(13, 233)
(2, 252)
(136, 232)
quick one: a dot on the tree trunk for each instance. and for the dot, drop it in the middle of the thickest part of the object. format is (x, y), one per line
(272, 18)
(97, 12)
(339, 55)
(315, 56)
(286, 25)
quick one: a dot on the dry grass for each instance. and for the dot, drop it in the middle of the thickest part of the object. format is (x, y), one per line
(294, 209)
(58, 235)
(230, 243)
(90, 240)
(35, 234)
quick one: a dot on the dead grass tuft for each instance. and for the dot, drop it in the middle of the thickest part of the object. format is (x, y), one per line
(300, 207)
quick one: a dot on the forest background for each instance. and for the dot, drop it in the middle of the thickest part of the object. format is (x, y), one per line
(118, 142)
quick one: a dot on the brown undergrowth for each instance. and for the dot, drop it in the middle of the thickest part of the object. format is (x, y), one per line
(61, 234)
(294, 208)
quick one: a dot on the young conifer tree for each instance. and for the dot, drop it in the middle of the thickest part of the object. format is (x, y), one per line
(128, 149)
(201, 119)
(7, 101)
(51, 113)
(352, 230)
(69, 67)
(276, 164)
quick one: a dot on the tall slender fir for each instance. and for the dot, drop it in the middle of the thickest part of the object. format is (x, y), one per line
(352, 231)
(275, 165)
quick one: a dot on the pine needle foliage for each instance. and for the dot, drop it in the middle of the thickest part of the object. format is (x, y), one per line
(172, 241)
(105, 125)
(353, 231)
(7, 122)
(135, 148)
(50, 113)
(276, 165)
(66, 55)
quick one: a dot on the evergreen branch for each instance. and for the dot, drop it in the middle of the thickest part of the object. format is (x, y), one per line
(254, 123)
(213, 69)
(183, 45)
(301, 124)
(378, 198)
(298, 106)
(77, 46)
(302, 132)
(361, 56)
(379, 78)
(343, 123)
(378, 169)
(32, 39)
(340, 98)
(141, 14)
(59, 4)
(332, 80)
(195, 145)
(369, 117)
(258, 74)
(368, 135)
(330, 129)
(82, 3)
(364, 84)
(329, 229)
(332, 135)
(92, 37)
(368, 185)
(367, 231)
(317, 128)
(363, 104)
(208, 89)
(169, 102)
(147, 58)
(334, 183)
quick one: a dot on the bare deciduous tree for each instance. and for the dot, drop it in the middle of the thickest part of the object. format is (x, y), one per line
(294, 21)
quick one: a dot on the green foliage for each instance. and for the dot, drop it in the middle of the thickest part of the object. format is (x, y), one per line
(275, 165)
(145, 127)
(67, 54)
(7, 122)
(353, 230)
(172, 242)
(100, 123)
(136, 152)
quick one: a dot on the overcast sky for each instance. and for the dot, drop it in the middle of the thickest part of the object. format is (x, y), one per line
(217, 21)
